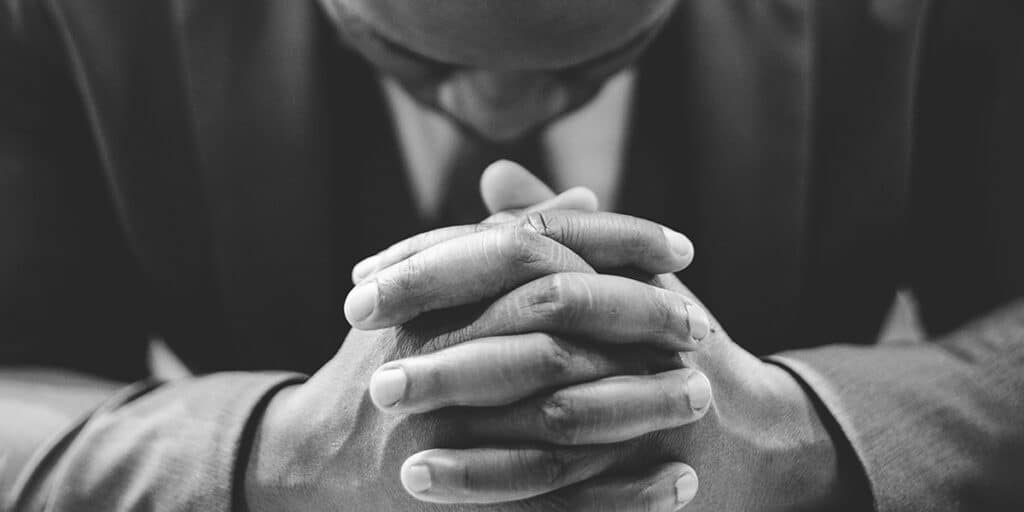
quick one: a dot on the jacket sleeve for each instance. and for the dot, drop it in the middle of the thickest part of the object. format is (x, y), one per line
(936, 426)
(73, 321)
(940, 425)
(176, 446)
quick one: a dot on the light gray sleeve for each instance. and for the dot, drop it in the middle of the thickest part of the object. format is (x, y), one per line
(936, 426)
(174, 446)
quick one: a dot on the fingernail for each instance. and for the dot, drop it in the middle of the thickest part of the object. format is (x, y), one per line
(698, 391)
(697, 321)
(686, 488)
(681, 246)
(360, 302)
(387, 386)
(417, 478)
(364, 268)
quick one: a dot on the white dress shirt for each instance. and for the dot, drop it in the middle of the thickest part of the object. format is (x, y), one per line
(585, 148)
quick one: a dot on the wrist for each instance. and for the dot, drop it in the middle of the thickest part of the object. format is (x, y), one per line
(263, 473)
(810, 475)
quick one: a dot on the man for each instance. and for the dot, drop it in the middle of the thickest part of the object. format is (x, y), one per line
(207, 172)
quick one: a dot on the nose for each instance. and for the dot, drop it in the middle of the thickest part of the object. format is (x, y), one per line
(502, 105)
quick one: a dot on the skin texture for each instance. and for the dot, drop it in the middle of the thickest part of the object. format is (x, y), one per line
(599, 443)
(334, 440)
(524, 249)
(761, 446)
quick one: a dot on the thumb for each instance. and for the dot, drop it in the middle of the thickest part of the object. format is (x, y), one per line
(506, 185)
(509, 190)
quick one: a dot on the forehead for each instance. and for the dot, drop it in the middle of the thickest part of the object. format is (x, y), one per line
(510, 34)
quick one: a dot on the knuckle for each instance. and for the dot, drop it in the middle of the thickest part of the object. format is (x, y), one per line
(523, 247)
(406, 275)
(570, 230)
(566, 230)
(559, 420)
(643, 241)
(556, 300)
(557, 361)
(538, 223)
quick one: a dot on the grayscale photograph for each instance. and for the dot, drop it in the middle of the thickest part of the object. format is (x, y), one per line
(511, 255)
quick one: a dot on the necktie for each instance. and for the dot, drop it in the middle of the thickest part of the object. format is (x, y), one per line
(462, 203)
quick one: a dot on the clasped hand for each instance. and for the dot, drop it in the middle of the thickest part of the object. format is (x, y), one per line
(509, 365)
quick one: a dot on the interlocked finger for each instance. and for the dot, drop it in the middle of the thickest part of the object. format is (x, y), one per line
(609, 410)
(501, 370)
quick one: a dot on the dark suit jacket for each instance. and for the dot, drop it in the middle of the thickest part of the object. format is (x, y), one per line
(199, 170)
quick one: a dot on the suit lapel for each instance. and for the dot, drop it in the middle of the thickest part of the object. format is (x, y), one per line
(779, 134)
(865, 79)
(726, 95)
(255, 76)
(128, 61)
